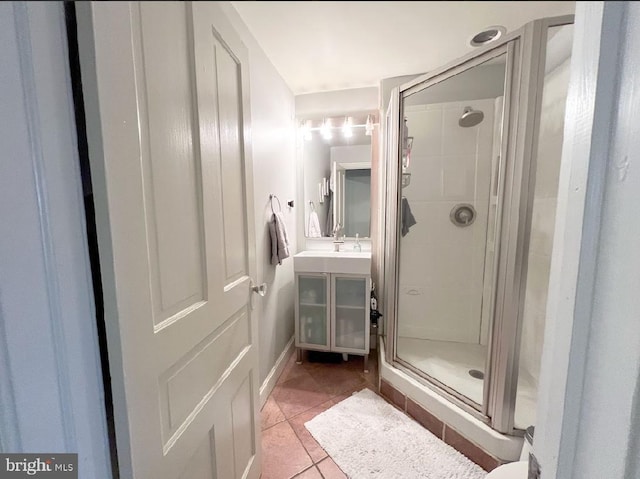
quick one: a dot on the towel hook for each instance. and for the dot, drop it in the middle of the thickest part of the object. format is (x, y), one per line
(312, 206)
(271, 198)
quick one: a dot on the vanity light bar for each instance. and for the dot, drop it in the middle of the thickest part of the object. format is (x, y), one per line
(355, 121)
(326, 125)
(319, 128)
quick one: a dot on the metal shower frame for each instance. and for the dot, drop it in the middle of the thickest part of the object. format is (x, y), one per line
(525, 51)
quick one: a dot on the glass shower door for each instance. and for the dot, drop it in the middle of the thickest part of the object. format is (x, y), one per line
(555, 84)
(450, 143)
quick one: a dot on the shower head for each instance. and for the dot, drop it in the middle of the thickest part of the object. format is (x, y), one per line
(470, 117)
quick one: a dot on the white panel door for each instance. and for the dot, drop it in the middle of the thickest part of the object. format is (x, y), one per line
(166, 97)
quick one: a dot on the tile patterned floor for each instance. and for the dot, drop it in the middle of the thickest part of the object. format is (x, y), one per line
(302, 392)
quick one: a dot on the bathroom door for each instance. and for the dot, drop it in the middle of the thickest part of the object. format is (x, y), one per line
(166, 97)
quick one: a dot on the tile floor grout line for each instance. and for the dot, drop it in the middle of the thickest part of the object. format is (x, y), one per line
(319, 376)
(305, 447)
(331, 398)
(336, 464)
(274, 424)
(306, 410)
(278, 406)
(312, 466)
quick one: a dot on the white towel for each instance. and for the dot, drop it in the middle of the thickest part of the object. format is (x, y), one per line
(279, 239)
(313, 230)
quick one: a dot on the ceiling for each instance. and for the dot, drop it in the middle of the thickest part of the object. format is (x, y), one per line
(326, 45)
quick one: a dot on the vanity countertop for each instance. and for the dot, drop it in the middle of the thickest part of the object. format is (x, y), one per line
(344, 262)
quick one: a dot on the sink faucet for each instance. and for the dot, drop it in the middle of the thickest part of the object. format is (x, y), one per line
(336, 237)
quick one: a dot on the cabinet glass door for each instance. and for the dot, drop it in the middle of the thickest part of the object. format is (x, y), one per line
(351, 310)
(312, 310)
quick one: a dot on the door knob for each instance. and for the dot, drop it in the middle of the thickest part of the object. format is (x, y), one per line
(260, 289)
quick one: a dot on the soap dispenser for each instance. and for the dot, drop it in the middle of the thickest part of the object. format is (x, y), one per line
(357, 247)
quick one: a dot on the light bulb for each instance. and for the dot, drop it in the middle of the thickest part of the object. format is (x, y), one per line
(368, 127)
(347, 131)
(325, 129)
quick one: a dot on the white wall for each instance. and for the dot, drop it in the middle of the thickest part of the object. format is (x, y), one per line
(273, 140)
(388, 84)
(442, 265)
(588, 421)
(50, 379)
(337, 102)
(482, 81)
(351, 154)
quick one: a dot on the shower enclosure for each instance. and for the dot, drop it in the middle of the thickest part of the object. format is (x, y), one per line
(473, 154)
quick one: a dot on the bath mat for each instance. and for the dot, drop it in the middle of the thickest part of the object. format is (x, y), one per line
(369, 438)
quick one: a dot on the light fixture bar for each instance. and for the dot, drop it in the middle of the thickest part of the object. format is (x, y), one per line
(319, 128)
(346, 124)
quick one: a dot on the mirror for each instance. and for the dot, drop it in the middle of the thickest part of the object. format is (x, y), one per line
(352, 209)
(336, 158)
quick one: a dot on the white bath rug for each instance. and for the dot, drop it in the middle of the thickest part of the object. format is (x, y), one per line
(367, 437)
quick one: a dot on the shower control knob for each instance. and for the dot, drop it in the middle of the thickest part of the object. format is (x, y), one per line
(463, 214)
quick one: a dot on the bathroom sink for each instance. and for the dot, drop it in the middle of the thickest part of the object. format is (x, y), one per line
(345, 262)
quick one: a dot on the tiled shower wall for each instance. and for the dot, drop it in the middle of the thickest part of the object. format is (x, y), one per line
(442, 265)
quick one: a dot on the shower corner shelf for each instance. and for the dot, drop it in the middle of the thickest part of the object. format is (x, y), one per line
(406, 179)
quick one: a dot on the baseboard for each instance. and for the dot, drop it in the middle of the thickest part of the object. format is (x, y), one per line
(271, 379)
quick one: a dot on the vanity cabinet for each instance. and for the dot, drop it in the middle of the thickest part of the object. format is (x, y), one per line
(332, 312)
